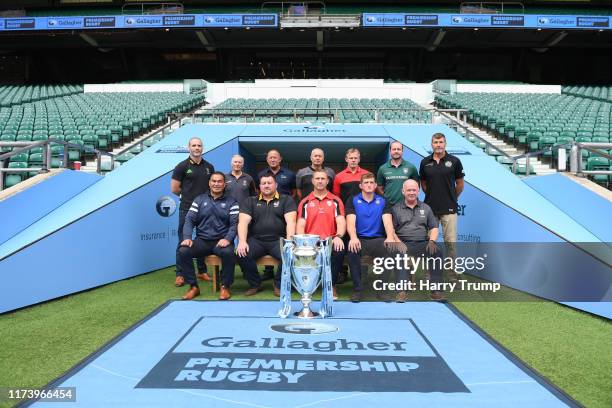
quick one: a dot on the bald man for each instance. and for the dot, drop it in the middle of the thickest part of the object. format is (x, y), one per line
(417, 227)
(303, 178)
(190, 179)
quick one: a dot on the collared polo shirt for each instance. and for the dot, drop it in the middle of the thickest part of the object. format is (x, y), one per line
(303, 179)
(239, 188)
(392, 178)
(368, 215)
(440, 178)
(320, 214)
(285, 179)
(346, 183)
(268, 217)
(194, 179)
(413, 224)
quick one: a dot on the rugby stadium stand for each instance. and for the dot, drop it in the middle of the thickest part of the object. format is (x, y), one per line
(323, 110)
(98, 121)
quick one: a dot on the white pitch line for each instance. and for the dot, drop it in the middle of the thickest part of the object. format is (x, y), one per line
(331, 399)
(503, 382)
(180, 390)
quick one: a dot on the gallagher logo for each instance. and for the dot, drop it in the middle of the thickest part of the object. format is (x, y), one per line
(165, 206)
(371, 19)
(304, 328)
(209, 20)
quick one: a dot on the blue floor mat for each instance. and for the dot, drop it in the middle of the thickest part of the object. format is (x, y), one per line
(239, 354)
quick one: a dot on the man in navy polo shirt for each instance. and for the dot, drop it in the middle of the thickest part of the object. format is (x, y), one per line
(285, 178)
(370, 227)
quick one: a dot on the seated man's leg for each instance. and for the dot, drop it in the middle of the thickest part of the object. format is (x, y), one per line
(337, 258)
(354, 261)
(199, 248)
(249, 263)
(433, 262)
(273, 249)
(228, 264)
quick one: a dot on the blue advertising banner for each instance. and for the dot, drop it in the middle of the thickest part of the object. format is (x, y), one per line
(140, 21)
(485, 20)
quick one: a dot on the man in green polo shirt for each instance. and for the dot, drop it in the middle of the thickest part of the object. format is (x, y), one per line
(391, 175)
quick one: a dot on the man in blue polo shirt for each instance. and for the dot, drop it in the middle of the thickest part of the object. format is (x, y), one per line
(370, 227)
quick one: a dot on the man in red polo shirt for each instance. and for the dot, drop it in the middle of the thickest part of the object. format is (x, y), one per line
(346, 183)
(322, 213)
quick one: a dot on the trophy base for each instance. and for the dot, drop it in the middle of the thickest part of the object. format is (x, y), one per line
(306, 314)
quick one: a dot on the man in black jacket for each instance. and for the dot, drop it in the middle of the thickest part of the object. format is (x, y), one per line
(215, 218)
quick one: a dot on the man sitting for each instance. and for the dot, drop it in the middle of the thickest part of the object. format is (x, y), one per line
(263, 221)
(370, 227)
(215, 217)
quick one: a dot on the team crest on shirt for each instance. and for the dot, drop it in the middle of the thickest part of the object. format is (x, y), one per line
(377, 201)
(359, 201)
(223, 205)
(205, 203)
(448, 164)
(405, 171)
(422, 212)
(312, 204)
(276, 204)
(329, 204)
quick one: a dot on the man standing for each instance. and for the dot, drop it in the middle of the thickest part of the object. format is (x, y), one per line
(346, 183)
(370, 228)
(417, 227)
(442, 181)
(285, 178)
(303, 178)
(391, 175)
(285, 182)
(238, 184)
(263, 221)
(189, 180)
(215, 217)
(322, 213)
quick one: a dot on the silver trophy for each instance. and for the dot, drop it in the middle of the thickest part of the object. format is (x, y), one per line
(306, 264)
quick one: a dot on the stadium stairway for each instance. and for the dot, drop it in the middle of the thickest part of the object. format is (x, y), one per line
(536, 164)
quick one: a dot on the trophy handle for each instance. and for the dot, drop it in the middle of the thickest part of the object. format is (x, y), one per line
(285, 286)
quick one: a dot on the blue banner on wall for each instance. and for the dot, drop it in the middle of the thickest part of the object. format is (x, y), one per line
(485, 20)
(140, 21)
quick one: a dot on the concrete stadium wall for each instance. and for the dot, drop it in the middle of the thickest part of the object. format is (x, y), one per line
(509, 88)
(160, 87)
(320, 88)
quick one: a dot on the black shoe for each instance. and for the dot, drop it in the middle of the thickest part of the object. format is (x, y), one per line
(356, 296)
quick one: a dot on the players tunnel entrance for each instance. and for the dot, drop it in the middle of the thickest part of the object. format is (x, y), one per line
(296, 151)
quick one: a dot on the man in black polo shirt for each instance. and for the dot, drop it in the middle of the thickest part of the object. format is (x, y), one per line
(285, 182)
(262, 222)
(238, 184)
(441, 176)
(189, 180)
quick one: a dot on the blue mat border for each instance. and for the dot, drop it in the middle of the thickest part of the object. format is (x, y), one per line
(526, 368)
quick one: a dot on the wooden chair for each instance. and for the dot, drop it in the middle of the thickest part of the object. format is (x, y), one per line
(215, 262)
